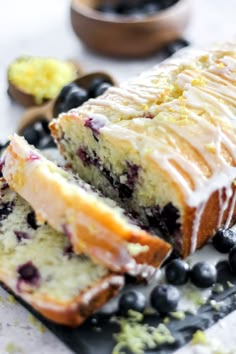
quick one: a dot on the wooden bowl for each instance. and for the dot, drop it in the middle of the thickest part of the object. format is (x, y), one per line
(28, 100)
(48, 111)
(124, 36)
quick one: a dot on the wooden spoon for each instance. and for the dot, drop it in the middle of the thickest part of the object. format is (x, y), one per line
(48, 111)
(27, 99)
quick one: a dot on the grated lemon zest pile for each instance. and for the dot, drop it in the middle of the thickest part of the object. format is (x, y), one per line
(138, 337)
(41, 77)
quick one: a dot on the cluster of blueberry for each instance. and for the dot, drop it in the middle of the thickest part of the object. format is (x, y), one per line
(71, 96)
(165, 297)
(135, 8)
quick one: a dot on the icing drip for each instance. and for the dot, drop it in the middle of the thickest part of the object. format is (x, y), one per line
(231, 211)
(196, 225)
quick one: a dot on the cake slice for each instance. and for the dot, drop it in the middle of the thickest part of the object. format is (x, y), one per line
(163, 145)
(38, 265)
(93, 224)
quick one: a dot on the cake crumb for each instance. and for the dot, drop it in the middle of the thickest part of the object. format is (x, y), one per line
(178, 315)
(33, 321)
(199, 337)
(12, 348)
(11, 299)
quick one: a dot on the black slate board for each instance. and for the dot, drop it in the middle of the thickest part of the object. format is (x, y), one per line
(96, 335)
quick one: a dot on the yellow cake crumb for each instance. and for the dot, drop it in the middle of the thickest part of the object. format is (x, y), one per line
(12, 348)
(36, 324)
(11, 299)
(199, 337)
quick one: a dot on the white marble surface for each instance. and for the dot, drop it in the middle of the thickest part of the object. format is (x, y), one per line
(42, 28)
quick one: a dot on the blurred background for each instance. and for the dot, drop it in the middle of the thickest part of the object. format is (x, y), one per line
(43, 28)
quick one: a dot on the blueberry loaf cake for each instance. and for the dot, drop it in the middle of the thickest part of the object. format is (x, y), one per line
(38, 265)
(163, 145)
(93, 224)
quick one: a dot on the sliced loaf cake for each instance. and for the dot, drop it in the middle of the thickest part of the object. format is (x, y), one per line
(164, 145)
(93, 224)
(38, 265)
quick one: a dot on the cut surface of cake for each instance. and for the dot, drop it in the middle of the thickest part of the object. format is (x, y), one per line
(163, 145)
(94, 225)
(38, 265)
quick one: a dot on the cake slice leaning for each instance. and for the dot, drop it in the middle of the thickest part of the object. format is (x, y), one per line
(163, 145)
(38, 265)
(93, 224)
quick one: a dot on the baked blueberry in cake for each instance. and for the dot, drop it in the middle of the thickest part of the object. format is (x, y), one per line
(93, 224)
(38, 265)
(163, 145)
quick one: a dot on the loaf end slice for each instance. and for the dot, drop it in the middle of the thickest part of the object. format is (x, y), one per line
(39, 265)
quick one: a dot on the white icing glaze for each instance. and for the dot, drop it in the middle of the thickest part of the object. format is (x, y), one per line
(200, 85)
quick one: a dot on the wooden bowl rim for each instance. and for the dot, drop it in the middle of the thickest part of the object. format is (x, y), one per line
(92, 14)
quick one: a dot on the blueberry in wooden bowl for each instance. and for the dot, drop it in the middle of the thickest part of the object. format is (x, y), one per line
(129, 28)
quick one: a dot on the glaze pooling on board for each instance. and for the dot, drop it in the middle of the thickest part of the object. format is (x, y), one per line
(195, 89)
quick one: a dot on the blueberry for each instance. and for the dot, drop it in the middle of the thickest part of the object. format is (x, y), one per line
(165, 298)
(95, 83)
(167, 3)
(21, 235)
(177, 272)
(76, 98)
(232, 259)
(32, 135)
(132, 300)
(102, 88)
(31, 220)
(150, 8)
(203, 275)
(65, 91)
(29, 273)
(5, 210)
(174, 46)
(124, 8)
(106, 9)
(45, 127)
(224, 240)
(4, 145)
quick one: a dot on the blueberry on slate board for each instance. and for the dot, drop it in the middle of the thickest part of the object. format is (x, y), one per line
(177, 272)
(224, 240)
(232, 259)
(132, 300)
(203, 275)
(165, 298)
(174, 46)
(32, 135)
